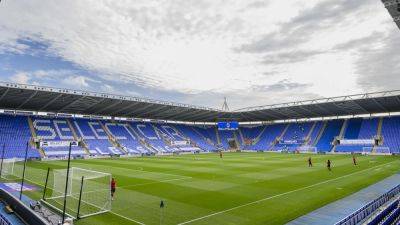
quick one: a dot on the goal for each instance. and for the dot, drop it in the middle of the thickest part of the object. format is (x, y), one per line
(7, 168)
(88, 192)
(307, 149)
(376, 150)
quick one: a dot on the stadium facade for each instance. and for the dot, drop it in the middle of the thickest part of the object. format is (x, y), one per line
(97, 124)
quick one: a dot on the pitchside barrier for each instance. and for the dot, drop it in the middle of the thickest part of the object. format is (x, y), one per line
(23, 211)
(367, 210)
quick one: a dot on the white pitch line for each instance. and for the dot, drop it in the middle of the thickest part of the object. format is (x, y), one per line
(127, 218)
(143, 171)
(282, 194)
(156, 182)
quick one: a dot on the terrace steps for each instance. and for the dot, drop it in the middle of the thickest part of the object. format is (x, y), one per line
(378, 132)
(83, 144)
(34, 135)
(258, 138)
(201, 135)
(321, 132)
(236, 140)
(142, 141)
(241, 135)
(160, 135)
(31, 127)
(218, 137)
(309, 134)
(341, 134)
(280, 136)
(111, 138)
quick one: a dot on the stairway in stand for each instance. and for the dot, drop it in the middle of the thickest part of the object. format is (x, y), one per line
(33, 132)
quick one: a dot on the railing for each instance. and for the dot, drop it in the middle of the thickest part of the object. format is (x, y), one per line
(4, 220)
(364, 212)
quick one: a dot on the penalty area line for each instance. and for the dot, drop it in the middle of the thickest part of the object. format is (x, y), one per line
(127, 218)
(156, 182)
(282, 194)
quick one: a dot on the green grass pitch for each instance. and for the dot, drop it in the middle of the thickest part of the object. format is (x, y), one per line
(241, 188)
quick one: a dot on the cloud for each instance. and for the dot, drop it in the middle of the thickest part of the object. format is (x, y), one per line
(56, 78)
(77, 81)
(290, 57)
(283, 85)
(367, 41)
(191, 50)
(380, 67)
(20, 77)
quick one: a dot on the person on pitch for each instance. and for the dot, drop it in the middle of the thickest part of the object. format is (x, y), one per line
(309, 162)
(328, 164)
(354, 160)
(113, 188)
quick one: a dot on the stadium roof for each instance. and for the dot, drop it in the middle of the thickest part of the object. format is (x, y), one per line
(46, 99)
(393, 6)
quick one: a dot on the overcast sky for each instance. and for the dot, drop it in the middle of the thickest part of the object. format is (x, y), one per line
(254, 52)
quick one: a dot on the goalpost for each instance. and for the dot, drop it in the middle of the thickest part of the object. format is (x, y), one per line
(377, 150)
(8, 168)
(88, 192)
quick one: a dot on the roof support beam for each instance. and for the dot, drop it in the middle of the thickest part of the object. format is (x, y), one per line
(206, 118)
(71, 103)
(50, 102)
(139, 111)
(98, 103)
(28, 99)
(308, 111)
(155, 110)
(183, 114)
(362, 108)
(254, 115)
(107, 107)
(380, 105)
(4, 94)
(189, 115)
(125, 108)
(398, 99)
(202, 115)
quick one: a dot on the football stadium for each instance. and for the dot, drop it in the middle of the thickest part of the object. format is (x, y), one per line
(108, 118)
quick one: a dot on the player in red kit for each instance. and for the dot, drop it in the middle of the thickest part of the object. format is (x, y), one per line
(113, 186)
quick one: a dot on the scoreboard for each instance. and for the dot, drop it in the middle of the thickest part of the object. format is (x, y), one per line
(232, 125)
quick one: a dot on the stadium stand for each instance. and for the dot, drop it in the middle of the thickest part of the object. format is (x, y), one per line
(57, 130)
(14, 135)
(125, 137)
(359, 129)
(294, 137)
(390, 133)
(331, 131)
(195, 138)
(97, 137)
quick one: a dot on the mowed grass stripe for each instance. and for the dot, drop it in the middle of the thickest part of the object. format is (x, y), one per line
(281, 194)
(217, 184)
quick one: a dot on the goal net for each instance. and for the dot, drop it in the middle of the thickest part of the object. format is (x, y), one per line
(7, 168)
(376, 150)
(307, 149)
(88, 192)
